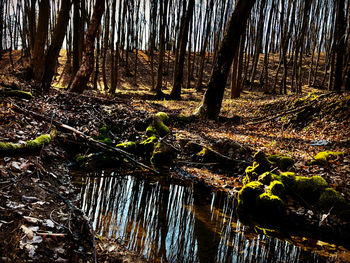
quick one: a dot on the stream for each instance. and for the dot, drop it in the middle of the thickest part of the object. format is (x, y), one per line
(172, 220)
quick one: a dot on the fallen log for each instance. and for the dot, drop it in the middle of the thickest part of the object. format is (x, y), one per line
(9, 148)
(88, 139)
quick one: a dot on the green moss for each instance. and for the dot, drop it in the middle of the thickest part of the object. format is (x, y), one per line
(270, 207)
(127, 146)
(331, 198)
(8, 147)
(265, 178)
(163, 116)
(148, 144)
(277, 188)
(104, 131)
(288, 179)
(103, 136)
(248, 194)
(150, 131)
(322, 158)
(310, 188)
(161, 128)
(39, 141)
(281, 161)
(162, 155)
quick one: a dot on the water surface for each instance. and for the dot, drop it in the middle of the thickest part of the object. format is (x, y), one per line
(178, 221)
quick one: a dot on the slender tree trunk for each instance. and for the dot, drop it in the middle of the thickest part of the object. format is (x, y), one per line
(82, 77)
(56, 44)
(179, 64)
(212, 100)
(105, 48)
(163, 16)
(40, 39)
(340, 45)
(208, 16)
(77, 19)
(1, 25)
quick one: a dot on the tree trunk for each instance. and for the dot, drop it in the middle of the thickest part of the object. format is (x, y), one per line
(40, 39)
(179, 64)
(212, 100)
(1, 24)
(82, 77)
(340, 45)
(56, 44)
(77, 20)
(163, 15)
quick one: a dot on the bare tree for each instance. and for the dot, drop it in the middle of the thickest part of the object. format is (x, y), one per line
(82, 77)
(212, 99)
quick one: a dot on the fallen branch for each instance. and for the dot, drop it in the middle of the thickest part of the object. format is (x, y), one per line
(99, 144)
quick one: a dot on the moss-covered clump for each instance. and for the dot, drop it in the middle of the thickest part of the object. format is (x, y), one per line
(162, 155)
(281, 161)
(266, 178)
(270, 207)
(331, 198)
(103, 136)
(158, 126)
(288, 179)
(310, 188)
(260, 166)
(248, 194)
(148, 144)
(277, 188)
(322, 158)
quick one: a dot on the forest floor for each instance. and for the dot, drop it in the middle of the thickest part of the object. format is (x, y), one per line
(39, 220)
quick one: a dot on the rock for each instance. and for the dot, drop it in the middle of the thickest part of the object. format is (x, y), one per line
(281, 161)
(331, 198)
(310, 188)
(322, 158)
(277, 188)
(162, 155)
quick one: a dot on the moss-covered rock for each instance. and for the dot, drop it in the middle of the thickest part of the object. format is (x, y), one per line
(162, 155)
(281, 161)
(277, 188)
(331, 198)
(148, 144)
(248, 194)
(322, 158)
(206, 156)
(288, 179)
(158, 126)
(260, 166)
(265, 178)
(270, 207)
(310, 188)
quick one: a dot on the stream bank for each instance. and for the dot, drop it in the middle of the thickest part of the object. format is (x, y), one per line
(28, 181)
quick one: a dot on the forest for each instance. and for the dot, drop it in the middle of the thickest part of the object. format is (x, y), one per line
(174, 131)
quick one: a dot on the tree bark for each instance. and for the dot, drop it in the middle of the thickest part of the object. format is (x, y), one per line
(56, 44)
(179, 64)
(163, 15)
(82, 77)
(212, 100)
(40, 39)
(340, 45)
